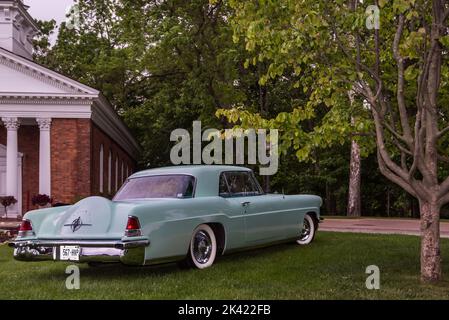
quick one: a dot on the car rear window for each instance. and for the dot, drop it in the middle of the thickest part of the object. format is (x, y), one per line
(160, 186)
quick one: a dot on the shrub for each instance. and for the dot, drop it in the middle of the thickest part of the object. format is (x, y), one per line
(41, 200)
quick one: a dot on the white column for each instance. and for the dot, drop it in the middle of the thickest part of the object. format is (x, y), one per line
(12, 164)
(44, 156)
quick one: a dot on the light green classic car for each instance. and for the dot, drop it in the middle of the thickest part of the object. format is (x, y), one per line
(189, 214)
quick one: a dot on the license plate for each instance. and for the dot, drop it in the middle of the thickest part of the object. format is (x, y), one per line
(70, 253)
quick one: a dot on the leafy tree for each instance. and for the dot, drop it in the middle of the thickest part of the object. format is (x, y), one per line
(88, 49)
(396, 72)
(190, 68)
(163, 64)
(41, 42)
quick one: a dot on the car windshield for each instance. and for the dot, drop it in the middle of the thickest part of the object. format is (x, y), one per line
(161, 186)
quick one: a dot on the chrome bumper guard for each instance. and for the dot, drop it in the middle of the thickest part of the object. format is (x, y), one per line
(126, 252)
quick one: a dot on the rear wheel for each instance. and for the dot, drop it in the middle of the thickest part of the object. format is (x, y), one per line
(203, 247)
(308, 231)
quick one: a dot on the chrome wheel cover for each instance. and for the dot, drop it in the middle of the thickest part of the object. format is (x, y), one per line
(202, 247)
(306, 230)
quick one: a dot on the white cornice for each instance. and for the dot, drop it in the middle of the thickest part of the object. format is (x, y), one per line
(46, 111)
(39, 98)
(36, 74)
(43, 74)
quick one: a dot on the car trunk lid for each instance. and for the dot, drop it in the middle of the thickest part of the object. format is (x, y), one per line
(90, 218)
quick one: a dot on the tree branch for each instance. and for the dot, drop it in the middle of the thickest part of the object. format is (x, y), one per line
(394, 133)
(358, 64)
(442, 132)
(394, 177)
(401, 79)
(393, 167)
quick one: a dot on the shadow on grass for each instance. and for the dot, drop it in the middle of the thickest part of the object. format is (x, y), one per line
(113, 271)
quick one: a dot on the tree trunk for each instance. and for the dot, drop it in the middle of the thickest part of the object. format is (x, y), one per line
(354, 201)
(430, 242)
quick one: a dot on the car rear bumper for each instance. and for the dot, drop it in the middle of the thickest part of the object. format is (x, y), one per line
(126, 252)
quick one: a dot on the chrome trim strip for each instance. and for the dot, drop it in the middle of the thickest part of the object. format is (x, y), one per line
(83, 243)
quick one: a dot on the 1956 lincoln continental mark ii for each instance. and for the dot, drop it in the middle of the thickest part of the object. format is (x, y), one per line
(189, 214)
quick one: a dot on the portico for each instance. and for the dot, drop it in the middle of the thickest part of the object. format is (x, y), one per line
(53, 133)
(58, 136)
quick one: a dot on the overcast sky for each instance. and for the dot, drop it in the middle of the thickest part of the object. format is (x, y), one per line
(49, 9)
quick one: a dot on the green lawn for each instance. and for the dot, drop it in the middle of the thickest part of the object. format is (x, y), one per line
(374, 217)
(333, 267)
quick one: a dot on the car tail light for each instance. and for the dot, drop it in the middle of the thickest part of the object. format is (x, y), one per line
(26, 229)
(133, 227)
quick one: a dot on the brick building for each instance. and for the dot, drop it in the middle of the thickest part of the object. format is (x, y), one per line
(57, 136)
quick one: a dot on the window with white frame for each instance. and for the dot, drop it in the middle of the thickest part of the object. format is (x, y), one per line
(110, 172)
(101, 169)
(116, 173)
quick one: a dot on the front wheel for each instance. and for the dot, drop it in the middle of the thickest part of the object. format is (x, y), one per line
(308, 231)
(203, 247)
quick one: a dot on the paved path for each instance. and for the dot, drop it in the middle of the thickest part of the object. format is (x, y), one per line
(385, 226)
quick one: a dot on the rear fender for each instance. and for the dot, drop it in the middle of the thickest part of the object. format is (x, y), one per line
(42, 217)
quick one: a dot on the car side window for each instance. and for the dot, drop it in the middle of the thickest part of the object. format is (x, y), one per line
(223, 189)
(241, 184)
(189, 190)
(256, 184)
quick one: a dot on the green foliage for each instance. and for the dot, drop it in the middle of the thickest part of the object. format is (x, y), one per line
(329, 46)
(294, 40)
(162, 64)
(42, 40)
(265, 64)
(185, 51)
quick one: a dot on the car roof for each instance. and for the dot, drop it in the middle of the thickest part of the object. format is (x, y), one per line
(194, 170)
(207, 176)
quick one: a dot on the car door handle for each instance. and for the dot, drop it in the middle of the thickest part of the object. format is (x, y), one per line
(246, 203)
